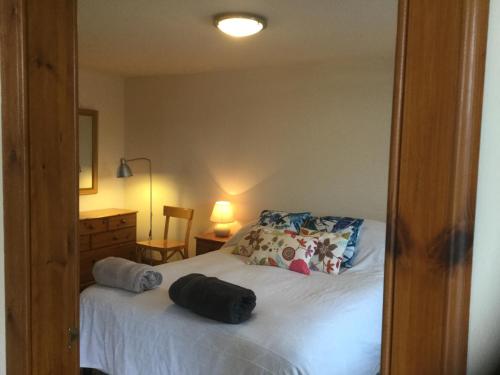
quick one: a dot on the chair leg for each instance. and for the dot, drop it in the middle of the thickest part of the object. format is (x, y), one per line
(185, 254)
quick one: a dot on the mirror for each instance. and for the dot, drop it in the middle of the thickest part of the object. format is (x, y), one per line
(87, 139)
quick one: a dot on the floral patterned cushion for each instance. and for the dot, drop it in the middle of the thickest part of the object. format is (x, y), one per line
(250, 242)
(285, 221)
(329, 250)
(333, 224)
(283, 249)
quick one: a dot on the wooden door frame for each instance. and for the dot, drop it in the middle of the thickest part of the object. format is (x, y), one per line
(452, 254)
(438, 92)
(16, 196)
(38, 83)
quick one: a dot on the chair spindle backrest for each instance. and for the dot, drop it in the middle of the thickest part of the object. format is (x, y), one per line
(179, 213)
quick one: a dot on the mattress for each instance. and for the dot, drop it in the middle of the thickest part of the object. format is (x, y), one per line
(316, 324)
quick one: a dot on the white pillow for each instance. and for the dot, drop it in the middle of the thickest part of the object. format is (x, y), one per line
(371, 246)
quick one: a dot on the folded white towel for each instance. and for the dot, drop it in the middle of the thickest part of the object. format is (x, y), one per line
(125, 274)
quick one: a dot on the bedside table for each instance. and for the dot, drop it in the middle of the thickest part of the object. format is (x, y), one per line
(208, 242)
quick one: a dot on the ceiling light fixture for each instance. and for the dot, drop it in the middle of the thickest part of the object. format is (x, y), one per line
(239, 25)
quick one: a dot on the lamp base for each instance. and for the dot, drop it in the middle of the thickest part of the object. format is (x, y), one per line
(222, 230)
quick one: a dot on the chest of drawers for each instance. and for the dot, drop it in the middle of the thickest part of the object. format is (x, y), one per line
(104, 233)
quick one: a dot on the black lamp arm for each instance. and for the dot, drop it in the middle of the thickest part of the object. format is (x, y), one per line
(150, 234)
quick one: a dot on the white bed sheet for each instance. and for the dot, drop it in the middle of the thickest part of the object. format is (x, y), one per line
(317, 324)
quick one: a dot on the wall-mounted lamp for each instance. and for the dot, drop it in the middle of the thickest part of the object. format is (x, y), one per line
(222, 215)
(125, 171)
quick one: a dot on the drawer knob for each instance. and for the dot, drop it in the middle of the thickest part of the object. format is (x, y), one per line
(123, 221)
(90, 226)
(115, 238)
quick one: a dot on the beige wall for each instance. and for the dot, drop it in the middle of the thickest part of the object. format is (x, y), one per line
(310, 137)
(484, 326)
(105, 93)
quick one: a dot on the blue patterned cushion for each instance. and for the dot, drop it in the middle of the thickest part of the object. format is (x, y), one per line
(291, 222)
(334, 224)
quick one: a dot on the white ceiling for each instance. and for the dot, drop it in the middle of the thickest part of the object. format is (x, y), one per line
(146, 37)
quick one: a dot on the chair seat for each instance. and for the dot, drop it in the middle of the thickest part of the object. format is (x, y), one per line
(160, 245)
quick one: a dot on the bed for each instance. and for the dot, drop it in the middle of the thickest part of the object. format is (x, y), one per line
(316, 324)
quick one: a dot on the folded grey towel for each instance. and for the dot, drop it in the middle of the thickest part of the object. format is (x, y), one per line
(125, 274)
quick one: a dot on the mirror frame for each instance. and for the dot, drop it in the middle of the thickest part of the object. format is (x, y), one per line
(95, 117)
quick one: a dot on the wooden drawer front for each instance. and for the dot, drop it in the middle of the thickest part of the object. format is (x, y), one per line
(122, 221)
(88, 258)
(113, 238)
(93, 226)
(84, 242)
(204, 246)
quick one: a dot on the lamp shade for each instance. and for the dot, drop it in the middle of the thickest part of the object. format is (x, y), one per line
(222, 213)
(123, 169)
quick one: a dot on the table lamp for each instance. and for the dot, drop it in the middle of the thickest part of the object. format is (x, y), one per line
(222, 216)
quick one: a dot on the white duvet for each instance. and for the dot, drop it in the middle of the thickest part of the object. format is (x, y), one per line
(317, 324)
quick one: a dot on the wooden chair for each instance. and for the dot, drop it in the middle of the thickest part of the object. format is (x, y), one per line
(168, 248)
